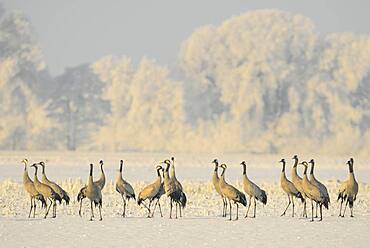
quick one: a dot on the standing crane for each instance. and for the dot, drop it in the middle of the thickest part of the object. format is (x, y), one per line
(124, 188)
(100, 183)
(318, 184)
(216, 185)
(31, 190)
(231, 193)
(177, 184)
(61, 192)
(297, 181)
(252, 190)
(289, 188)
(348, 190)
(48, 193)
(313, 192)
(150, 192)
(176, 195)
(93, 192)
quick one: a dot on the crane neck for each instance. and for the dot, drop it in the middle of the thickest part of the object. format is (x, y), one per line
(312, 168)
(120, 168)
(216, 167)
(244, 169)
(295, 162)
(90, 181)
(283, 169)
(305, 171)
(101, 168)
(158, 172)
(351, 172)
(25, 166)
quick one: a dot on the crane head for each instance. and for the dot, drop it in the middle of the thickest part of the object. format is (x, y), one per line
(158, 167)
(295, 157)
(304, 163)
(223, 166)
(41, 163)
(312, 161)
(101, 162)
(34, 165)
(282, 160)
(215, 161)
(243, 163)
(172, 158)
(25, 161)
(166, 161)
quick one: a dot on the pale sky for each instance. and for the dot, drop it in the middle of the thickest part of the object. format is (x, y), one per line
(72, 32)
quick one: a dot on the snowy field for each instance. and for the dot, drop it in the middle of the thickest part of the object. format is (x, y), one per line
(201, 226)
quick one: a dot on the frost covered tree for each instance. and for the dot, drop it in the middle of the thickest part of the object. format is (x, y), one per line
(24, 121)
(147, 106)
(78, 107)
(276, 85)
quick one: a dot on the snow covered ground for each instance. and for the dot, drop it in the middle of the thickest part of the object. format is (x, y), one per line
(201, 226)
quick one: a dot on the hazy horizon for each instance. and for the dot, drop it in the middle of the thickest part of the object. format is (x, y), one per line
(71, 33)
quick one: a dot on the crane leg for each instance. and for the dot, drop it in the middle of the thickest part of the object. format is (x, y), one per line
(79, 211)
(92, 211)
(293, 205)
(29, 215)
(171, 209)
(254, 212)
(311, 210)
(101, 218)
(304, 208)
(230, 208)
(340, 209)
(48, 208)
(316, 210)
(345, 207)
(351, 211)
(55, 209)
(34, 207)
(320, 212)
(237, 211)
(180, 210)
(160, 210)
(150, 204)
(124, 207)
(155, 206)
(249, 205)
(287, 207)
(224, 207)
(176, 210)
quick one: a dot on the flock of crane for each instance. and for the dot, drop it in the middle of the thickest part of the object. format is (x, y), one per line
(166, 183)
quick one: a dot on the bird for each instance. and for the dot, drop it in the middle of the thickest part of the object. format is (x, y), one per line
(297, 181)
(317, 183)
(101, 183)
(289, 188)
(313, 192)
(231, 193)
(61, 192)
(31, 190)
(252, 190)
(93, 192)
(124, 188)
(216, 185)
(151, 192)
(47, 192)
(177, 183)
(348, 190)
(176, 195)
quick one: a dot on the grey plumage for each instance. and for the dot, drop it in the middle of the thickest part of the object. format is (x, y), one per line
(124, 188)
